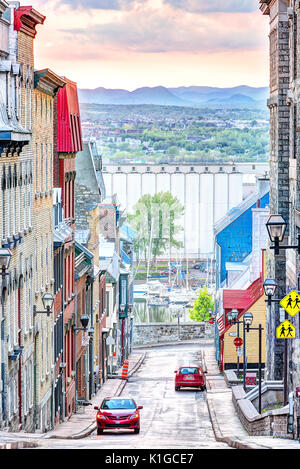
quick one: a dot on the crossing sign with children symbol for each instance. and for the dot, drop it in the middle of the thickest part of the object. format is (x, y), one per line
(291, 303)
(285, 330)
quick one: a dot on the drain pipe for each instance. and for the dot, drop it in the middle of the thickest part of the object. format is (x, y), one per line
(291, 413)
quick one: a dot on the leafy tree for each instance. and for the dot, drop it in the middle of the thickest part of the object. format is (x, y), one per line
(201, 306)
(154, 221)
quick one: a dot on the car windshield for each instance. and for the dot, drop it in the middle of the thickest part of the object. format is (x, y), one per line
(112, 404)
(189, 371)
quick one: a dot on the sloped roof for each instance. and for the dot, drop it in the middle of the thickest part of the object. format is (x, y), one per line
(241, 300)
(237, 211)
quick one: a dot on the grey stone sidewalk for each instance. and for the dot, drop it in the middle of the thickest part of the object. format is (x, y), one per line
(226, 424)
(79, 425)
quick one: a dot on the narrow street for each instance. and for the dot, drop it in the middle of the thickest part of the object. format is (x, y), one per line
(169, 419)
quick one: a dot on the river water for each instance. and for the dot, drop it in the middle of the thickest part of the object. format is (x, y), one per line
(146, 314)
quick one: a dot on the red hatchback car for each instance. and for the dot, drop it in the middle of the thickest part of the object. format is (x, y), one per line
(190, 377)
(118, 413)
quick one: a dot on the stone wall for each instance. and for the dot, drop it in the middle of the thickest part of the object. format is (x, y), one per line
(271, 423)
(147, 334)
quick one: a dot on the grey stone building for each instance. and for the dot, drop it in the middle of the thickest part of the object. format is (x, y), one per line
(284, 99)
(279, 162)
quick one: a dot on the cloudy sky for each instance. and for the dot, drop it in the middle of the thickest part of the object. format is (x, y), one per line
(134, 43)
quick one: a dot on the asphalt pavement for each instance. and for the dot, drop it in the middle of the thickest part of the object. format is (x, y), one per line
(226, 425)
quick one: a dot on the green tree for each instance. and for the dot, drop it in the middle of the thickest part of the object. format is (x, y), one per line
(155, 222)
(204, 302)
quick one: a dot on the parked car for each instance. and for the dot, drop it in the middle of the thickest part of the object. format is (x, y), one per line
(199, 266)
(118, 413)
(190, 377)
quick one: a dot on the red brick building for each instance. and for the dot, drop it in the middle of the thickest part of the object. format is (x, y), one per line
(67, 142)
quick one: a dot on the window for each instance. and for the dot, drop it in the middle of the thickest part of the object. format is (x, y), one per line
(123, 292)
(107, 303)
(46, 163)
(41, 172)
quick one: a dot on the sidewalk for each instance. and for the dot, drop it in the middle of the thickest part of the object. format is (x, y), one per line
(79, 425)
(226, 424)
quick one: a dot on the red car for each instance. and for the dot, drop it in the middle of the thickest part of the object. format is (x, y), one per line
(118, 413)
(189, 377)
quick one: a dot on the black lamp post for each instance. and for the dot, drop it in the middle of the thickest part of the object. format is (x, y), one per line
(84, 319)
(248, 322)
(232, 317)
(5, 258)
(122, 309)
(270, 287)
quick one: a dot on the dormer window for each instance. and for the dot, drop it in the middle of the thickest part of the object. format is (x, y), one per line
(221, 169)
(163, 168)
(192, 168)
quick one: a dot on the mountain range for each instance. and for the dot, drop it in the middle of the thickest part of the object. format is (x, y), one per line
(193, 96)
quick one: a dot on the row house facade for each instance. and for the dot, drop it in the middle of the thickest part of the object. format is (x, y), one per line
(67, 142)
(88, 196)
(18, 392)
(46, 85)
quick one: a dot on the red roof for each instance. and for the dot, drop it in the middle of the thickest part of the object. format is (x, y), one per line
(241, 300)
(69, 137)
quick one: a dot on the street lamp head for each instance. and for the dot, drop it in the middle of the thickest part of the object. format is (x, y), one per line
(229, 316)
(122, 307)
(48, 300)
(248, 318)
(234, 314)
(84, 319)
(276, 226)
(5, 257)
(270, 286)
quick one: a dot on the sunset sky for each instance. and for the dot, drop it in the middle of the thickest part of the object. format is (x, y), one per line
(134, 43)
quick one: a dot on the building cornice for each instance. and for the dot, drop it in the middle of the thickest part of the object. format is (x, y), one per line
(26, 19)
(265, 6)
(3, 6)
(48, 82)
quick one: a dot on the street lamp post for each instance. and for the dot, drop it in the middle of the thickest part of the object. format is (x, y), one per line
(122, 309)
(84, 319)
(270, 287)
(259, 329)
(247, 321)
(232, 317)
(5, 258)
(48, 301)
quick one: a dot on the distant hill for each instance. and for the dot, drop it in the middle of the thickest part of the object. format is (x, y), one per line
(193, 96)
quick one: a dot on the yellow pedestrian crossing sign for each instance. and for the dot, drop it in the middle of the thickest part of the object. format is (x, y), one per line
(291, 303)
(285, 330)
